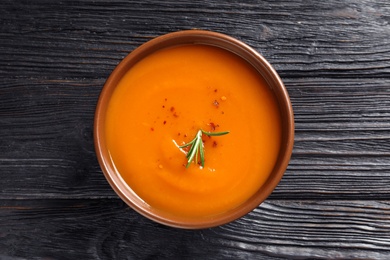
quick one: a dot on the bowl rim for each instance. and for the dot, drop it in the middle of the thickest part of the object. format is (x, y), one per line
(206, 38)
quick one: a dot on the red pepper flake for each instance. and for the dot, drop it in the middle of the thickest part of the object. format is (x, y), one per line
(178, 134)
(215, 144)
(223, 113)
(213, 126)
(216, 103)
(151, 129)
(215, 90)
(175, 114)
(165, 99)
(163, 106)
(164, 122)
(172, 109)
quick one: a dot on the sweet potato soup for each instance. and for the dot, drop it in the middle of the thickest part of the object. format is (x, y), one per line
(162, 102)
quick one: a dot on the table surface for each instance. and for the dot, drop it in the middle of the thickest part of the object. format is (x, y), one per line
(334, 199)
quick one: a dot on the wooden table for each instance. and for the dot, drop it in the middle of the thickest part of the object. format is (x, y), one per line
(334, 200)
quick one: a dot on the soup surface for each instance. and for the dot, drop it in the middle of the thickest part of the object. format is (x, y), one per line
(164, 100)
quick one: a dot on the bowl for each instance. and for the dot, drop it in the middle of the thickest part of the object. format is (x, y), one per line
(137, 196)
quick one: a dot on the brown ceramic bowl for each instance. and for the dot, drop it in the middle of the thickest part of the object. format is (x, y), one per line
(208, 38)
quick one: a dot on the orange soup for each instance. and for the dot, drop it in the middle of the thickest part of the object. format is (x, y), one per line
(162, 102)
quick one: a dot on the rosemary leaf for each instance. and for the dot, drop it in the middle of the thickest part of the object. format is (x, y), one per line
(196, 150)
(215, 133)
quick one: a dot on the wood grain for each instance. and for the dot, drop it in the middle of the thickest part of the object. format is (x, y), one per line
(333, 202)
(301, 39)
(108, 229)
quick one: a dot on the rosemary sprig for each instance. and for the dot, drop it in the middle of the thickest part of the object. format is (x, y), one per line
(197, 150)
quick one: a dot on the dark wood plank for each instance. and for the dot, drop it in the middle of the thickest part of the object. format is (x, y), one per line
(341, 146)
(342, 139)
(108, 229)
(46, 138)
(88, 38)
